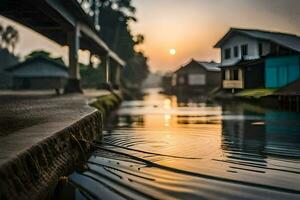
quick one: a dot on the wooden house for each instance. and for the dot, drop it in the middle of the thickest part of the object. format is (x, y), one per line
(39, 74)
(247, 56)
(197, 77)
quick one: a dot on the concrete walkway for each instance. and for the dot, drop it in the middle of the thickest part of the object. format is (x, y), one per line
(24, 109)
(34, 124)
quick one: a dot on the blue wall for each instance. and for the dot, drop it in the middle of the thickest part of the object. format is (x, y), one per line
(281, 71)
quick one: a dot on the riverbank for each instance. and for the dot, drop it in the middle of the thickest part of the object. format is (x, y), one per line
(282, 99)
(40, 137)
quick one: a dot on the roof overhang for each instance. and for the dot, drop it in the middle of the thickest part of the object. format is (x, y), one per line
(243, 32)
(54, 18)
(225, 38)
(97, 45)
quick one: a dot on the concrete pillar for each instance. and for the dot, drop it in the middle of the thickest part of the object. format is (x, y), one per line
(73, 85)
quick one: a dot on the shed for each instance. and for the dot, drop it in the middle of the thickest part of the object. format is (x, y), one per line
(197, 77)
(39, 73)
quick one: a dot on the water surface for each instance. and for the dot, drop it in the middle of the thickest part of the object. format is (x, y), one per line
(167, 147)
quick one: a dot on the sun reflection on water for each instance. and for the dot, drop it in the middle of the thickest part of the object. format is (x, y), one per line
(196, 145)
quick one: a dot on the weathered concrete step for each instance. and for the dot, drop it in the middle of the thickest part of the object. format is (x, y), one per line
(31, 173)
(32, 159)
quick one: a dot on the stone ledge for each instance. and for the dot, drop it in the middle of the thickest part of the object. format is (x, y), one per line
(31, 173)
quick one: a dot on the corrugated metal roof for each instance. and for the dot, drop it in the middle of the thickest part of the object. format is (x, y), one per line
(284, 39)
(210, 66)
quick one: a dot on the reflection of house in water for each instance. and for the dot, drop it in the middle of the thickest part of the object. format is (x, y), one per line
(243, 140)
(250, 129)
(39, 73)
(242, 130)
(136, 121)
(283, 133)
(186, 119)
(186, 100)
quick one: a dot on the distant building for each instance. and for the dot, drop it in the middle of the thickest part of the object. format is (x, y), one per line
(39, 73)
(6, 60)
(197, 77)
(154, 80)
(249, 57)
(166, 83)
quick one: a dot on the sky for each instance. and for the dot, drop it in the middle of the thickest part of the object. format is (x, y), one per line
(192, 27)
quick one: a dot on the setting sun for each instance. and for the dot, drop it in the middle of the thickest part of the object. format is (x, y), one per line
(172, 52)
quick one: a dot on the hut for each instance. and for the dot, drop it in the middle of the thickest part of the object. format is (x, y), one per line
(39, 74)
(197, 77)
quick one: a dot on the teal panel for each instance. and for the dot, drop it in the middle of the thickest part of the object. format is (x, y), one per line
(282, 75)
(271, 77)
(293, 72)
(280, 71)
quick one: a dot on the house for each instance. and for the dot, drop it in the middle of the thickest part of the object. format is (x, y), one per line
(166, 83)
(197, 77)
(255, 58)
(6, 60)
(39, 73)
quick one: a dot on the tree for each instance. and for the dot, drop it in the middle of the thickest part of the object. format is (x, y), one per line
(44, 54)
(136, 70)
(114, 18)
(9, 38)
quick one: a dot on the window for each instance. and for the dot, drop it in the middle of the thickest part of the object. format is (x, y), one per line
(227, 53)
(196, 79)
(236, 51)
(244, 49)
(260, 49)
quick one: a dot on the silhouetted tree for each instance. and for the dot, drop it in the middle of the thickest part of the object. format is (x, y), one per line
(114, 18)
(9, 38)
(44, 54)
(136, 70)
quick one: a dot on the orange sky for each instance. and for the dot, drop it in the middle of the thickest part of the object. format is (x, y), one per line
(192, 27)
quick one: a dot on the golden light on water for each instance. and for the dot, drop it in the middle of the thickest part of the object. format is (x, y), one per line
(167, 103)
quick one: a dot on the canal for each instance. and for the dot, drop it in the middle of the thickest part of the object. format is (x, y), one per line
(168, 147)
